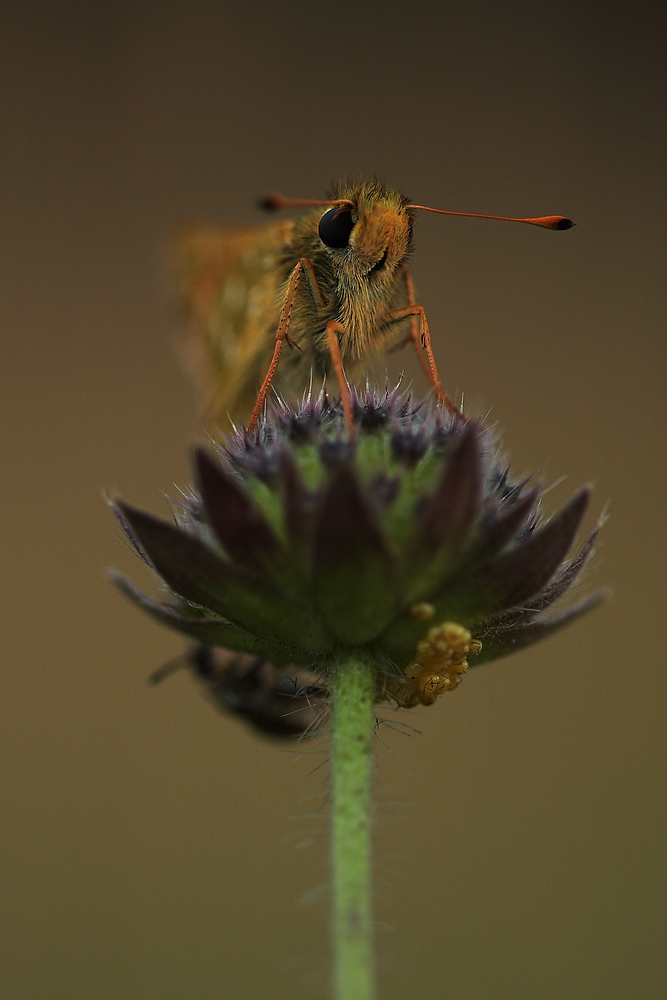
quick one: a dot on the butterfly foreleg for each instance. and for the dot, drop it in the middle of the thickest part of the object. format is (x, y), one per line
(420, 335)
(303, 266)
(332, 329)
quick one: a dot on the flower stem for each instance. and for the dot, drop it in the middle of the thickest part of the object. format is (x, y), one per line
(353, 717)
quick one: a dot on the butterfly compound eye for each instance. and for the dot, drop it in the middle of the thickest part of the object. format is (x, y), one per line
(335, 227)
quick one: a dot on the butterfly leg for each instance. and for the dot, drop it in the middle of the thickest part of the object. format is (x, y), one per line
(420, 335)
(337, 361)
(302, 266)
(414, 322)
(413, 336)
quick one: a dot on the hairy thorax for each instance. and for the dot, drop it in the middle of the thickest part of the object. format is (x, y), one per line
(359, 285)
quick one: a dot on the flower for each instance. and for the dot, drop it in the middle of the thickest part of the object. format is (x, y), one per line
(412, 543)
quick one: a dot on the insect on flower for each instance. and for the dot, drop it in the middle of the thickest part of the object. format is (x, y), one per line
(271, 700)
(438, 666)
(333, 285)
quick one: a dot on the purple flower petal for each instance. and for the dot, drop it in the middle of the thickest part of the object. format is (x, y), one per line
(521, 573)
(207, 630)
(505, 526)
(197, 574)
(443, 528)
(298, 506)
(503, 641)
(530, 609)
(569, 574)
(455, 505)
(243, 531)
(354, 571)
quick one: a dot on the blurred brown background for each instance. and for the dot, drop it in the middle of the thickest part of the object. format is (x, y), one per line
(152, 848)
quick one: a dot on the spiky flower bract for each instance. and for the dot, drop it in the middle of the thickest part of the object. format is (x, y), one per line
(412, 545)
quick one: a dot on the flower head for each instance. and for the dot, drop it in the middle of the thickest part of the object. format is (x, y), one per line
(413, 543)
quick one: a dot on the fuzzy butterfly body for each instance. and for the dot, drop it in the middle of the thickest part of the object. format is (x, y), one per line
(234, 284)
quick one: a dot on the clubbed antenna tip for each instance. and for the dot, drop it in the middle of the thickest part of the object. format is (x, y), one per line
(270, 202)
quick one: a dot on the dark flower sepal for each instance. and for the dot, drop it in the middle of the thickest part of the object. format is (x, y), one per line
(354, 570)
(501, 641)
(196, 573)
(210, 629)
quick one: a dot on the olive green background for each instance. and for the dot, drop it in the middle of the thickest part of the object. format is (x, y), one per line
(152, 848)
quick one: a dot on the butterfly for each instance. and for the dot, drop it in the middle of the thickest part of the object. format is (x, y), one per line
(306, 298)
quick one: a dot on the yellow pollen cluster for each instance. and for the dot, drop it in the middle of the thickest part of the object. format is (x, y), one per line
(439, 663)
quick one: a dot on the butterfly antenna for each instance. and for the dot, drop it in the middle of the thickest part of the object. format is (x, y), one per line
(545, 221)
(273, 202)
(168, 668)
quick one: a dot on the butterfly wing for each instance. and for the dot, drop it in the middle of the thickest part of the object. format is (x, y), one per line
(228, 282)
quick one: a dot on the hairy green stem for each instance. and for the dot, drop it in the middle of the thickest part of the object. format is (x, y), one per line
(353, 717)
